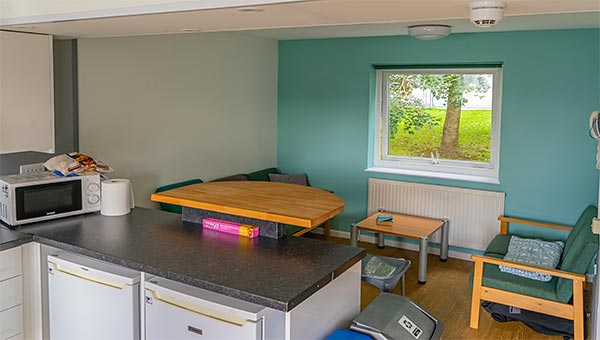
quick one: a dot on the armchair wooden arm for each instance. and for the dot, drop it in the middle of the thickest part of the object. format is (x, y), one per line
(505, 220)
(543, 270)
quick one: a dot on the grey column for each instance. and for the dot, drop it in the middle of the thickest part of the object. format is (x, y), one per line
(353, 235)
(380, 240)
(267, 228)
(422, 260)
(444, 244)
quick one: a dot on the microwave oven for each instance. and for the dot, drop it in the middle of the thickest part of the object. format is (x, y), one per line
(41, 196)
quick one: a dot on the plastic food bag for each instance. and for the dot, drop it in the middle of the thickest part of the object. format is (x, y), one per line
(378, 269)
(88, 163)
(75, 163)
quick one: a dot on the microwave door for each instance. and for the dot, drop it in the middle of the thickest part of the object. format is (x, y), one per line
(43, 200)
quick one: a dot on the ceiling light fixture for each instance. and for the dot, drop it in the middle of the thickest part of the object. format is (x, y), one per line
(429, 32)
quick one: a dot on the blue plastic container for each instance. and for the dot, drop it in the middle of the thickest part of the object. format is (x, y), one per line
(344, 334)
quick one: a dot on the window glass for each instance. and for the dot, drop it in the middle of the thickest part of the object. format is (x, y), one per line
(439, 120)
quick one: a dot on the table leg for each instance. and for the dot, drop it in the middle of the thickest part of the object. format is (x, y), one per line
(403, 285)
(444, 244)
(422, 260)
(380, 240)
(353, 235)
(327, 230)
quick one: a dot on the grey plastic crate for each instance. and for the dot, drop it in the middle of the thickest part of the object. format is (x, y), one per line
(395, 317)
(388, 282)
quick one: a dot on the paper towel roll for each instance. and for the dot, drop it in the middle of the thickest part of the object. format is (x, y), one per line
(116, 197)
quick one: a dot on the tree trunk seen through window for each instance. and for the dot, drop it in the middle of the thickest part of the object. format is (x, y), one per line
(449, 148)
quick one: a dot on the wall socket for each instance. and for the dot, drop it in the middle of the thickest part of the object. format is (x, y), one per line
(596, 226)
(29, 168)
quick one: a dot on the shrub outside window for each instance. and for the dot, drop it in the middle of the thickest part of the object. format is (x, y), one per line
(439, 122)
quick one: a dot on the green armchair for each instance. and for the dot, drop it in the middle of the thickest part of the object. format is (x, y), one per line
(562, 296)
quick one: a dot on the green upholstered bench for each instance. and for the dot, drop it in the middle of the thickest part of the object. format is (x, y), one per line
(172, 207)
(261, 175)
(552, 297)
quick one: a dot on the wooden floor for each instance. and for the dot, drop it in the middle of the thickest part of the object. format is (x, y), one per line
(446, 296)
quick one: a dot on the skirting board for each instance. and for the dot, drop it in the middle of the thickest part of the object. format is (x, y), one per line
(397, 244)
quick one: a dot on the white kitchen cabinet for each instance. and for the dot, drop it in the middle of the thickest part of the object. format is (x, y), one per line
(11, 322)
(333, 306)
(178, 311)
(26, 92)
(91, 299)
(11, 294)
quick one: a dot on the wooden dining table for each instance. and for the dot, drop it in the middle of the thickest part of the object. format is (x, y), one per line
(292, 204)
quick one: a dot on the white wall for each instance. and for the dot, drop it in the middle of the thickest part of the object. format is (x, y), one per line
(162, 109)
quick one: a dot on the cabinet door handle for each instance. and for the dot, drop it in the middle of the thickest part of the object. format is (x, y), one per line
(204, 311)
(83, 275)
(195, 330)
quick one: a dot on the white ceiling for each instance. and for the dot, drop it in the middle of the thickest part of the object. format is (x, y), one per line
(280, 19)
(14, 12)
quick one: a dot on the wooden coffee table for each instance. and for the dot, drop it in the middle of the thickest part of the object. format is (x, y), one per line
(409, 226)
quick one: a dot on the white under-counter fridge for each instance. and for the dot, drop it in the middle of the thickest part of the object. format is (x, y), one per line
(91, 299)
(178, 311)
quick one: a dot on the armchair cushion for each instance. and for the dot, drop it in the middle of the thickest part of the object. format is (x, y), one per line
(534, 252)
(499, 246)
(583, 245)
(576, 263)
(493, 277)
(583, 222)
(300, 179)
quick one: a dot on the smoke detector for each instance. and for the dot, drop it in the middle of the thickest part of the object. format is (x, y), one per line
(486, 13)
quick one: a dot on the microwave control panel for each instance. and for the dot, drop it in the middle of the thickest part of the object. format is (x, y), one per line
(91, 187)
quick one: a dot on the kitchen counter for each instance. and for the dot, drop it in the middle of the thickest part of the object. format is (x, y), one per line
(277, 273)
(10, 239)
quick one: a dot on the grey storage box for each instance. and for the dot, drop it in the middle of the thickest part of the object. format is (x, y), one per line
(395, 317)
(384, 272)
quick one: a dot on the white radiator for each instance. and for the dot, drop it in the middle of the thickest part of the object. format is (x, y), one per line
(473, 214)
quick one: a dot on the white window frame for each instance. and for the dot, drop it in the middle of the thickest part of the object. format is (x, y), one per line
(438, 168)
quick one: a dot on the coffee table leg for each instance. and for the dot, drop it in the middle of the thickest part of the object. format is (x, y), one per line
(422, 260)
(353, 234)
(444, 245)
(380, 240)
(403, 285)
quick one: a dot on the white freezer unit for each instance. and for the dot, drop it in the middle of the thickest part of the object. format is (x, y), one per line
(91, 299)
(178, 311)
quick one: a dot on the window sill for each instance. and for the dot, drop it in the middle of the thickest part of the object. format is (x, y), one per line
(458, 177)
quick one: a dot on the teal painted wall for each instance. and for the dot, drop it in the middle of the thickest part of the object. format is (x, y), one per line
(550, 86)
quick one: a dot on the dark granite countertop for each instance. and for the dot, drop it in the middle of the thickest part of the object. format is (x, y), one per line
(277, 273)
(10, 239)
